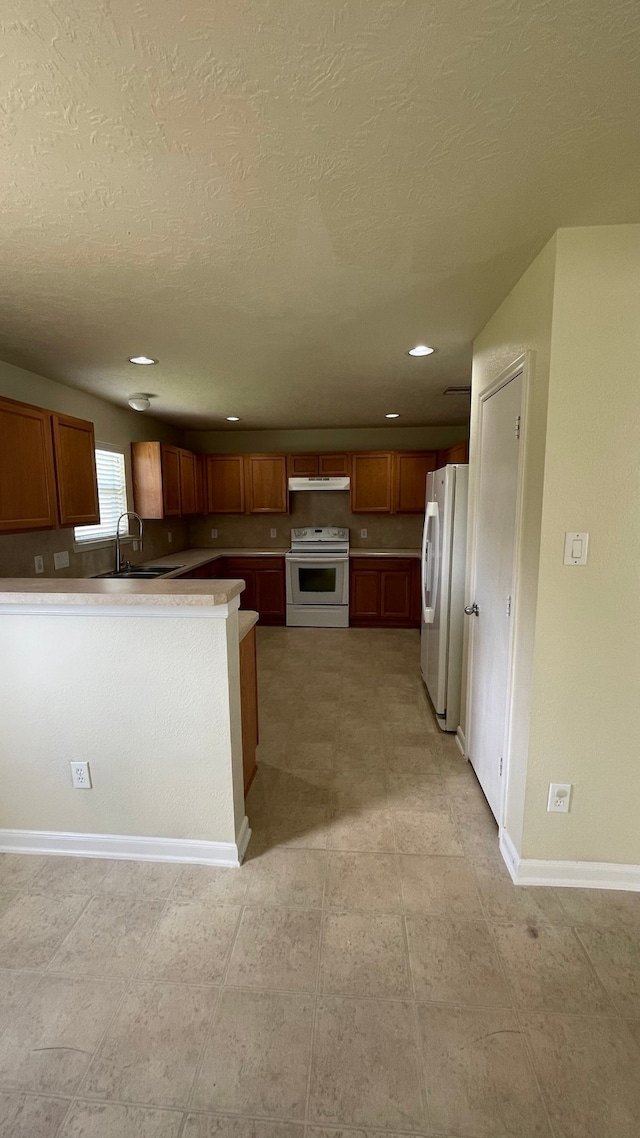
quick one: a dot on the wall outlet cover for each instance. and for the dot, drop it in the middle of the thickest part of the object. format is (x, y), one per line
(81, 776)
(38, 563)
(214, 533)
(61, 560)
(559, 800)
(363, 533)
(169, 538)
(273, 532)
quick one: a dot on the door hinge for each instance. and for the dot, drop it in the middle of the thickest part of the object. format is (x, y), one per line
(508, 606)
(500, 762)
(517, 426)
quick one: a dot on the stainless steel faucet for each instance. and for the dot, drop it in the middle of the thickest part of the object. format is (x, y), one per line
(120, 565)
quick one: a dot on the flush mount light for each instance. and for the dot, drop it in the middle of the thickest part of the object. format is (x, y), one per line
(393, 415)
(141, 360)
(420, 350)
(139, 402)
(233, 418)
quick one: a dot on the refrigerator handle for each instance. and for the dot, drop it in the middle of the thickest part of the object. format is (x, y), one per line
(428, 611)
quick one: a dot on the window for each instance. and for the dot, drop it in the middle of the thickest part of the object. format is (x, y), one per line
(112, 495)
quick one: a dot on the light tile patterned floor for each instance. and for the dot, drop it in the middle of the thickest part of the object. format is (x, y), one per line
(370, 970)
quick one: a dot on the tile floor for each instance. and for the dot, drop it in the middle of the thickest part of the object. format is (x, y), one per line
(369, 971)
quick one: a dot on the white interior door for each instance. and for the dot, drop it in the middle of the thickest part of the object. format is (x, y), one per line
(492, 586)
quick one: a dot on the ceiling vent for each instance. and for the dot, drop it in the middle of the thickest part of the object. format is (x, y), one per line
(457, 391)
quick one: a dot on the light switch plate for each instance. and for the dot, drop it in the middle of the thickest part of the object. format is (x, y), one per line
(575, 548)
(274, 532)
(61, 560)
(38, 563)
(214, 533)
(169, 537)
(363, 533)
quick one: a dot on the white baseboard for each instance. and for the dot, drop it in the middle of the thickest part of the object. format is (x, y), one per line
(133, 848)
(461, 741)
(569, 874)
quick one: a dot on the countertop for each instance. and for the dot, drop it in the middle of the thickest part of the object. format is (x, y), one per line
(246, 621)
(101, 591)
(193, 558)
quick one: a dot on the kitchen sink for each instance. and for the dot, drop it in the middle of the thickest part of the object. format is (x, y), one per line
(140, 574)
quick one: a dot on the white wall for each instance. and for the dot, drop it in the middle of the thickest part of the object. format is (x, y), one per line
(585, 715)
(151, 702)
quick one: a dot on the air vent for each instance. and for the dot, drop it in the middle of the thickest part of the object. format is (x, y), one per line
(457, 391)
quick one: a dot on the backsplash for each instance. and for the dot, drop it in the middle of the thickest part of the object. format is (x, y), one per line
(308, 508)
(17, 550)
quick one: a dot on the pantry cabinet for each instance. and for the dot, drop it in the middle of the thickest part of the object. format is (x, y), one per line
(384, 593)
(47, 469)
(225, 484)
(267, 489)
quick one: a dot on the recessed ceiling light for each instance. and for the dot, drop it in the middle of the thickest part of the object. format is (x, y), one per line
(420, 350)
(141, 360)
(139, 402)
(393, 415)
(233, 418)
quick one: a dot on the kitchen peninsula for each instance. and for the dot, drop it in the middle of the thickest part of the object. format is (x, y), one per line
(141, 680)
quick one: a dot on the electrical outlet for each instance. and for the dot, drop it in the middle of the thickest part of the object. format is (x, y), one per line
(61, 560)
(169, 538)
(135, 546)
(364, 533)
(39, 563)
(214, 533)
(81, 776)
(559, 799)
(273, 532)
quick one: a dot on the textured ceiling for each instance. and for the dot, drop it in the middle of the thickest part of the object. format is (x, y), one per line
(278, 197)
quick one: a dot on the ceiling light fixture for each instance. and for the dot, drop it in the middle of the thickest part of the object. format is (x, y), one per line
(139, 402)
(420, 350)
(393, 415)
(141, 360)
(233, 418)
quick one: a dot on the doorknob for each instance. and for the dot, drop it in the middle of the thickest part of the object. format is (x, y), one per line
(472, 610)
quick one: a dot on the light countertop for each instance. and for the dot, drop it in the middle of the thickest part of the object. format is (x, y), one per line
(192, 558)
(101, 591)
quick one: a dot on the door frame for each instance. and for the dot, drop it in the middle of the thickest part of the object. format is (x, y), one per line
(523, 365)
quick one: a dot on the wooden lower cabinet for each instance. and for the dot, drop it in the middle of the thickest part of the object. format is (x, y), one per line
(265, 585)
(249, 705)
(384, 593)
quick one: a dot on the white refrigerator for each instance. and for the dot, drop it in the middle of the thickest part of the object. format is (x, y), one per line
(444, 547)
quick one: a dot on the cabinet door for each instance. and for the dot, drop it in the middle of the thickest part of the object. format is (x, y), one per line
(333, 465)
(371, 483)
(395, 593)
(249, 706)
(364, 595)
(27, 476)
(200, 461)
(270, 594)
(240, 568)
(171, 501)
(302, 464)
(74, 450)
(225, 484)
(187, 464)
(411, 480)
(459, 452)
(267, 484)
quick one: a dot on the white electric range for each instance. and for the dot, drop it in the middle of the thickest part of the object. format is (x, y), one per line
(318, 578)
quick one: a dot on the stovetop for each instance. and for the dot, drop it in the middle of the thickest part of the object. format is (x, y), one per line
(319, 539)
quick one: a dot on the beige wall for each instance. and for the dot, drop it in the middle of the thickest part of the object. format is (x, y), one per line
(309, 508)
(521, 324)
(115, 425)
(577, 634)
(323, 441)
(151, 702)
(585, 715)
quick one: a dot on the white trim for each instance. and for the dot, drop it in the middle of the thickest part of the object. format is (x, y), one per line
(523, 365)
(568, 874)
(462, 742)
(131, 847)
(138, 608)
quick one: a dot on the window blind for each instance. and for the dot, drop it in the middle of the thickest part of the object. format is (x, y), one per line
(112, 496)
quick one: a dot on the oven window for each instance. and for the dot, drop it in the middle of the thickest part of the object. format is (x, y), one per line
(317, 579)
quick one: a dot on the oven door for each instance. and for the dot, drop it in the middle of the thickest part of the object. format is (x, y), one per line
(313, 580)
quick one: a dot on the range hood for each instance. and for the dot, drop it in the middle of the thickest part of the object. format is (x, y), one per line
(319, 483)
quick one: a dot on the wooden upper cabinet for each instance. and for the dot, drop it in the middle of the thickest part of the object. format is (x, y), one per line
(75, 461)
(372, 483)
(27, 474)
(411, 472)
(333, 465)
(459, 452)
(188, 489)
(302, 465)
(156, 480)
(201, 483)
(267, 491)
(225, 484)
